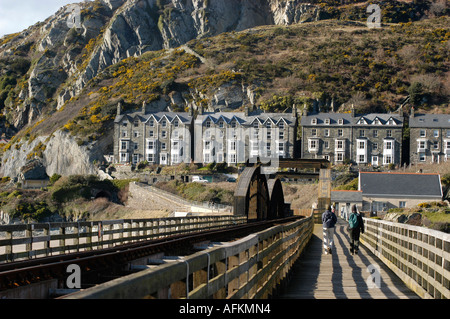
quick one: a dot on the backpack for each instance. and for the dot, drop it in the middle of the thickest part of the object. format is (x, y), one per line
(353, 221)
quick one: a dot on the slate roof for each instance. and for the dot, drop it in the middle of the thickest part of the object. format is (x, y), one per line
(158, 116)
(348, 120)
(244, 119)
(346, 196)
(400, 185)
(430, 121)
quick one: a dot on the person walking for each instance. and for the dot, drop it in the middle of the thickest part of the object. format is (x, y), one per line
(355, 228)
(329, 220)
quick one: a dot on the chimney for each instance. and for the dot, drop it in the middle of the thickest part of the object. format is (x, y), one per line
(412, 112)
(143, 107)
(119, 108)
(353, 111)
(246, 111)
(305, 110)
(294, 110)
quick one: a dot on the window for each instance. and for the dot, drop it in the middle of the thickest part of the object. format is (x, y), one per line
(233, 124)
(448, 133)
(232, 158)
(281, 125)
(435, 145)
(220, 146)
(136, 146)
(388, 145)
(123, 157)
(422, 157)
(327, 132)
(401, 204)
(375, 133)
(374, 146)
(423, 133)
(313, 132)
(233, 146)
(340, 145)
(387, 159)
(124, 133)
(340, 132)
(150, 133)
(136, 123)
(268, 125)
(150, 145)
(163, 146)
(151, 158)
(163, 134)
(312, 144)
(339, 157)
(314, 121)
(124, 145)
(362, 158)
(206, 158)
(221, 124)
(389, 133)
(281, 147)
(422, 144)
(175, 146)
(255, 124)
(269, 134)
(361, 145)
(362, 133)
(326, 144)
(340, 121)
(175, 123)
(447, 144)
(208, 134)
(136, 133)
(164, 123)
(208, 124)
(151, 123)
(176, 134)
(436, 133)
(124, 124)
(207, 145)
(327, 121)
(281, 135)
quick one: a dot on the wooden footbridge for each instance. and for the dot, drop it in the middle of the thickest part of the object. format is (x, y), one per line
(283, 260)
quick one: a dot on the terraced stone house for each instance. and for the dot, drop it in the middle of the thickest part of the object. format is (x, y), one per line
(163, 138)
(369, 139)
(429, 138)
(235, 137)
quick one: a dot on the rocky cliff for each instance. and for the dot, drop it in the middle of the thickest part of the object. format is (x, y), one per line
(63, 57)
(58, 70)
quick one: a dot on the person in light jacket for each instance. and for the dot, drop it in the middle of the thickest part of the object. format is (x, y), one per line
(329, 220)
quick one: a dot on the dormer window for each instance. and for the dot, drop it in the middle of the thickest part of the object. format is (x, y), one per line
(340, 121)
(376, 121)
(281, 125)
(327, 121)
(314, 121)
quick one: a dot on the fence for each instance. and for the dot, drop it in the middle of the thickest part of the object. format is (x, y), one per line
(25, 241)
(419, 256)
(247, 268)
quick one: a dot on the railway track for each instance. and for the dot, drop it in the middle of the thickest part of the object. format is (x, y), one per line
(101, 265)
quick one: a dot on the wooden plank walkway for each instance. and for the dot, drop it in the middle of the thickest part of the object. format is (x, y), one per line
(341, 275)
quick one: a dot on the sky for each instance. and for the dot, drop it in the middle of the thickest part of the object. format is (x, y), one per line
(18, 15)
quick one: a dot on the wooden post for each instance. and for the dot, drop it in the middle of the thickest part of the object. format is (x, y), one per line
(9, 247)
(221, 269)
(29, 235)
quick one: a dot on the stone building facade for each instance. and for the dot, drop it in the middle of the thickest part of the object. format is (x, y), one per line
(163, 138)
(368, 139)
(429, 138)
(235, 137)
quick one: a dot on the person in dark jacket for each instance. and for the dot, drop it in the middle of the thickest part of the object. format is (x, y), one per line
(329, 220)
(356, 228)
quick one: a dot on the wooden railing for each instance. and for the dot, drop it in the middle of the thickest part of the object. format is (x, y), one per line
(247, 268)
(418, 255)
(25, 241)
